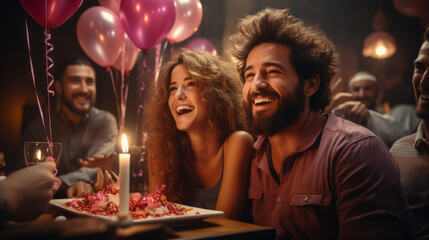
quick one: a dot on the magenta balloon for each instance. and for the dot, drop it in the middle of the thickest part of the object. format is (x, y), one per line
(58, 10)
(130, 52)
(111, 4)
(201, 44)
(100, 35)
(147, 22)
(188, 18)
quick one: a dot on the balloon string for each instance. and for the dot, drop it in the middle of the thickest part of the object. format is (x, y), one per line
(157, 53)
(116, 96)
(159, 58)
(140, 107)
(49, 64)
(124, 97)
(145, 66)
(34, 84)
(49, 61)
(142, 87)
(124, 90)
(163, 52)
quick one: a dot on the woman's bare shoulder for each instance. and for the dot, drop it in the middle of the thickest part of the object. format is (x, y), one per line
(238, 146)
(241, 137)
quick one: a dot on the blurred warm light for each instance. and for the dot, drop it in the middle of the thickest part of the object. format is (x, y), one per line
(38, 154)
(124, 143)
(380, 51)
(379, 45)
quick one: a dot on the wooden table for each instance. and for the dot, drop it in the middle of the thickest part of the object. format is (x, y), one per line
(76, 227)
(222, 228)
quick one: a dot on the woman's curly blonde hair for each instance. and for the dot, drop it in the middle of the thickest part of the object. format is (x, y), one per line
(169, 149)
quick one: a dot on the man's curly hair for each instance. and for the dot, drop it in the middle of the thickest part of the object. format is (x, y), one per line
(313, 54)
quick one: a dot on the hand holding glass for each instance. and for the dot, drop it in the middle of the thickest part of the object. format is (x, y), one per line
(37, 152)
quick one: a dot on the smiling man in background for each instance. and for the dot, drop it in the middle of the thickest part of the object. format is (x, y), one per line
(360, 106)
(411, 153)
(83, 130)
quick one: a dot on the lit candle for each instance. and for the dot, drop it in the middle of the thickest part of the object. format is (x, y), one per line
(124, 177)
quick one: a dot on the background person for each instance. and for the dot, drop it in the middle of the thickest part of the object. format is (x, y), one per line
(411, 153)
(402, 106)
(360, 106)
(83, 130)
(195, 143)
(313, 176)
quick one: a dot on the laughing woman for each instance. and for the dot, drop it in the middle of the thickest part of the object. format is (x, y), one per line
(196, 144)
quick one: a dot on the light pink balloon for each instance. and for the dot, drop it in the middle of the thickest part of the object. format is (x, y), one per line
(147, 22)
(130, 52)
(100, 35)
(189, 14)
(58, 10)
(201, 44)
(111, 4)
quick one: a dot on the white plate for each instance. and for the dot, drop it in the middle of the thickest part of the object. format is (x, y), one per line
(190, 215)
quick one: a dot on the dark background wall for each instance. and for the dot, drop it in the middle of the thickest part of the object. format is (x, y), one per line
(346, 22)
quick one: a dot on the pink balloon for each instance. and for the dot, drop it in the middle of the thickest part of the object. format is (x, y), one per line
(201, 44)
(100, 35)
(412, 8)
(147, 22)
(111, 4)
(58, 10)
(188, 18)
(130, 52)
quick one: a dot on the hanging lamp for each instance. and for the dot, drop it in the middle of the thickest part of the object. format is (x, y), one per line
(379, 44)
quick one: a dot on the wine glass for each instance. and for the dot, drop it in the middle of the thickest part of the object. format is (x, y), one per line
(38, 152)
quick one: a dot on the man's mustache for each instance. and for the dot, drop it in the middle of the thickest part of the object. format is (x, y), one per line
(263, 93)
(87, 96)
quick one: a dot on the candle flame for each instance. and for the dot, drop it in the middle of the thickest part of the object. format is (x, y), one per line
(38, 154)
(124, 143)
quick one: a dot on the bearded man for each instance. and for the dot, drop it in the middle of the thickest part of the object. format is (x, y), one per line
(411, 153)
(313, 175)
(83, 130)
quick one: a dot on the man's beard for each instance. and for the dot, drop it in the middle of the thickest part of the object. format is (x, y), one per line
(288, 110)
(78, 111)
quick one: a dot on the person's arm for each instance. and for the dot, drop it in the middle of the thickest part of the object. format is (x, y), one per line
(237, 155)
(79, 189)
(105, 134)
(354, 111)
(339, 99)
(106, 162)
(28, 191)
(386, 127)
(369, 199)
